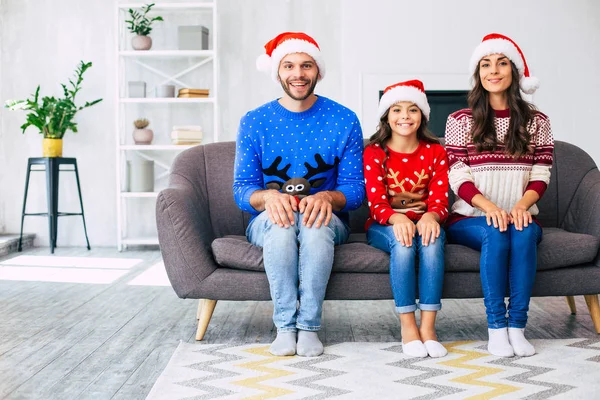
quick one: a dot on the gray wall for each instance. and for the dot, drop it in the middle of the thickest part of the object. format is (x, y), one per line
(365, 45)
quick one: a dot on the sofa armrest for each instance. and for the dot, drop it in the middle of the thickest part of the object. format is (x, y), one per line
(185, 235)
(583, 213)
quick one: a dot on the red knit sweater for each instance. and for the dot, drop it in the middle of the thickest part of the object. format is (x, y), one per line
(423, 171)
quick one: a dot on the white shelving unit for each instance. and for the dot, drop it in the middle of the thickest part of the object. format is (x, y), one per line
(162, 64)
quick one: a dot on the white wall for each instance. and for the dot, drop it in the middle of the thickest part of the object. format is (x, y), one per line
(434, 40)
(245, 27)
(41, 41)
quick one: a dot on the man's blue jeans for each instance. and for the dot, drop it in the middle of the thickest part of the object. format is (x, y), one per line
(298, 262)
(403, 275)
(508, 258)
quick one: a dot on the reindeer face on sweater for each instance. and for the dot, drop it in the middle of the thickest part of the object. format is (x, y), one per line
(298, 187)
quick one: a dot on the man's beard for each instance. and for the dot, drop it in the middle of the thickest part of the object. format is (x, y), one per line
(286, 89)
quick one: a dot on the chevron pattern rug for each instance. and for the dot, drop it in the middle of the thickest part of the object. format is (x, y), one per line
(562, 369)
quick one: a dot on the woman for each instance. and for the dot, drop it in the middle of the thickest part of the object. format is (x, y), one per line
(500, 155)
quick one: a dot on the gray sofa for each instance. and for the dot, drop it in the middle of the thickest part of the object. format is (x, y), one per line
(207, 257)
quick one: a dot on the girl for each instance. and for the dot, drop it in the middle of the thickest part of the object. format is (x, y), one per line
(500, 154)
(406, 176)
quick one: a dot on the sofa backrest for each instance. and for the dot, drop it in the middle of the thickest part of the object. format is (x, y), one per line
(210, 169)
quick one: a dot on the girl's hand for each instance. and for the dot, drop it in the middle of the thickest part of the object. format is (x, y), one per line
(429, 228)
(520, 217)
(404, 229)
(498, 217)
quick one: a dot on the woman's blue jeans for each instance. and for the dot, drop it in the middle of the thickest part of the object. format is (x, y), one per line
(298, 262)
(403, 274)
(508, 260)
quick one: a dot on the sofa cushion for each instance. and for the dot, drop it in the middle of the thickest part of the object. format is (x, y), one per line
(558, 249)
(236, 252)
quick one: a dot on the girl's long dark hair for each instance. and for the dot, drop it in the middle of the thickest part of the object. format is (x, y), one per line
(384, 133)
(483, 131)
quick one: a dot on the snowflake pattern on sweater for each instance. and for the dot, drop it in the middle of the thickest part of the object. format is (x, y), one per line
(496, 175)
(423, 171)
(323, 142)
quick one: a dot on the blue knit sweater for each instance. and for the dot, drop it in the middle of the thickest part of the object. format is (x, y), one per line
(323, 145)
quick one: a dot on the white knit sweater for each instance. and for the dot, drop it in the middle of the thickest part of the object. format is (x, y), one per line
(498, 177)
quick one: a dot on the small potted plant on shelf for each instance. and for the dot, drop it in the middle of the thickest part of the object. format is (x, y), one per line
(142, 135)
(141, 26)
(53, 116)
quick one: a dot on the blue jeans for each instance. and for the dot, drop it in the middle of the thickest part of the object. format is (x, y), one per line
(508, 258)
(403, 270)
(298, 262)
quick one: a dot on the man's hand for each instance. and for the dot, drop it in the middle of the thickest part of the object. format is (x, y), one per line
(280, 207)
(407, 200)
(429, 228)
(317, 209)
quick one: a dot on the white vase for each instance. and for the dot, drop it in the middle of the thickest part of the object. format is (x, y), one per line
(143, 136)
(141, 175)
(140, 42)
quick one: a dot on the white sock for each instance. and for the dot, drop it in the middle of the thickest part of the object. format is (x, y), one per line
(498, 343)
(416, 348)
(284, 344)
(309, 344)
(435, 349)
(522, 347)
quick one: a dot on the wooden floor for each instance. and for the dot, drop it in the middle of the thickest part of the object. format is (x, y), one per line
(111, 340)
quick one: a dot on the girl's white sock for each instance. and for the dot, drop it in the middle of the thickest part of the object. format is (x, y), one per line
(435, 349)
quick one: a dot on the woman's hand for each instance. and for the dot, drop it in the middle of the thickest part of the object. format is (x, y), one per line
(429, 228)
(520, 217)
(499, 217)
(493, 214)
(404, 229)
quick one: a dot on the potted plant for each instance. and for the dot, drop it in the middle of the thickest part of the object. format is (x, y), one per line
(53, 116)
(141, 26)
(142, 135)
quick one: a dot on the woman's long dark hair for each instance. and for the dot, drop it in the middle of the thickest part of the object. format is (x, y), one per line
(483, 130)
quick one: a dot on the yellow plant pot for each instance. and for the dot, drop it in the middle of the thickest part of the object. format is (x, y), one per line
(52, 147)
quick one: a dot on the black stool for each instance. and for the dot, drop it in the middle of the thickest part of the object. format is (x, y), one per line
(52, 168)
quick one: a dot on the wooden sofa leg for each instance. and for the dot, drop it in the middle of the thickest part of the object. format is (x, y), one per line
(592, 302)
(571, 303)
(199, 310)
(208, 306)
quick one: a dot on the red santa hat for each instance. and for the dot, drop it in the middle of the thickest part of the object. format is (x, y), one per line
(412, 91)
(288, 43)
(495, 43)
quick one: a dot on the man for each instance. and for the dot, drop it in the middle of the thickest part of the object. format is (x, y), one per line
(298, 171)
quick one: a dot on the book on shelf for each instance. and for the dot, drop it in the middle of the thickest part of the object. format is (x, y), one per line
(187, 128)
(192, 96)
(183, 142)
(192, 93)
(186, 134)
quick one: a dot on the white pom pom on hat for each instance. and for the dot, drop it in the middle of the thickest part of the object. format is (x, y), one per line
(412, 91)
(288, 43)
(495, 43)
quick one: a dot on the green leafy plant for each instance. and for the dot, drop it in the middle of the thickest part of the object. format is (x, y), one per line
(54, 116)
(141, 123)
(139, 23)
